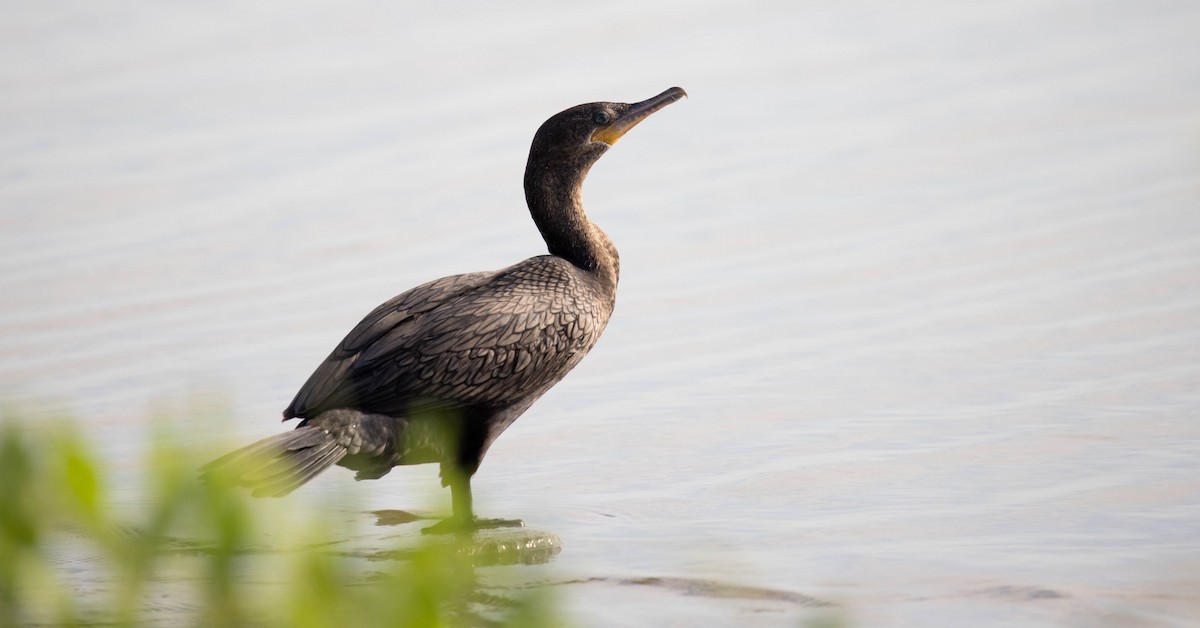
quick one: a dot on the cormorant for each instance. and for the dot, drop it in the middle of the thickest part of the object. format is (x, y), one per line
(438, 372)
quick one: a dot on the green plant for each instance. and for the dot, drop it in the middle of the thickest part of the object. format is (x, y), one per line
(203, 553)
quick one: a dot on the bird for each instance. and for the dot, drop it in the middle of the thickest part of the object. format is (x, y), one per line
(436, 374)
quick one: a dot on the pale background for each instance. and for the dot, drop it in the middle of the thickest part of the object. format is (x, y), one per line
(908, 319)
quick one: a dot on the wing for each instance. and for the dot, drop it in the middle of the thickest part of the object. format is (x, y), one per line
(488, 339)
(324, 388)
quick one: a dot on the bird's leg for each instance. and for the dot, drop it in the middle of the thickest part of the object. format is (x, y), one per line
(460, 498)
(463, 518)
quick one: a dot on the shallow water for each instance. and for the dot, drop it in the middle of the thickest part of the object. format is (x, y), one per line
(907, 321)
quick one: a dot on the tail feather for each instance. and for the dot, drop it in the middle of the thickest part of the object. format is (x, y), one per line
(304, 469)
(278, 465)
(284, 463)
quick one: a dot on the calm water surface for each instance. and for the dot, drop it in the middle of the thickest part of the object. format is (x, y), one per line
(908, 314)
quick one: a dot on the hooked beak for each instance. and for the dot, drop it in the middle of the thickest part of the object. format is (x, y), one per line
(636, 113)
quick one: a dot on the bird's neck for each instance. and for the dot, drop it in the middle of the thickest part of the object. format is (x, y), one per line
(555, 197)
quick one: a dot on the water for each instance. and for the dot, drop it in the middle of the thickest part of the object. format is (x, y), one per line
(907, 320)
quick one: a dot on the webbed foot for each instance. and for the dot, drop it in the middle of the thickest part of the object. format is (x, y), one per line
(453, 525)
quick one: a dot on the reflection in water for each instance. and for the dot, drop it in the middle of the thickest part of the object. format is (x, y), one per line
(473, 598)
(498, 546)
(395, 517)
(483, 548)
(711, 589)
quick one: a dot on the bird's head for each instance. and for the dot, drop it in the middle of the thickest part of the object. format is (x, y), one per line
(584, 132)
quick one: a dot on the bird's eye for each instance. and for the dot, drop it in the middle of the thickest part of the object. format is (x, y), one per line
(600, 117)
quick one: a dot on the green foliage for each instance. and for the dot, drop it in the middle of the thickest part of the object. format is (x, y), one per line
(202, 553)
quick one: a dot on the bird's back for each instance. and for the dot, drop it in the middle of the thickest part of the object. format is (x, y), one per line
(485, 340)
